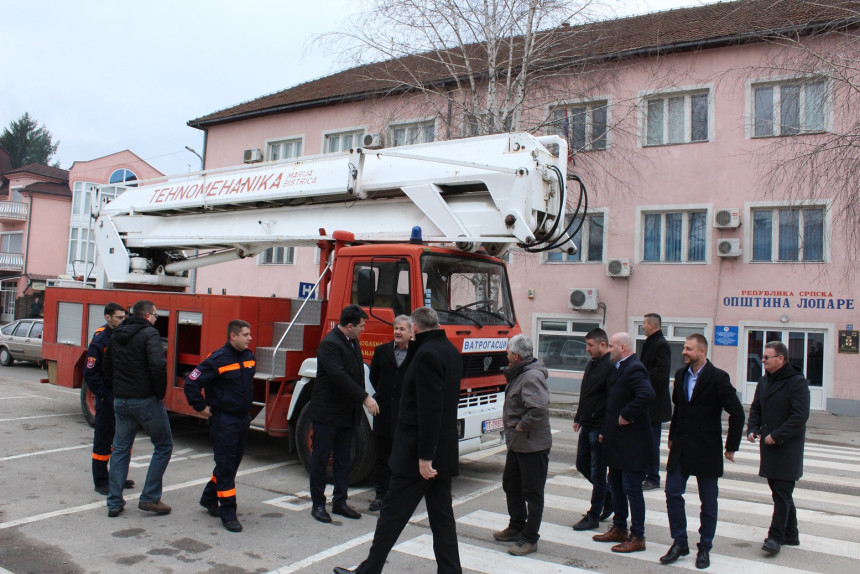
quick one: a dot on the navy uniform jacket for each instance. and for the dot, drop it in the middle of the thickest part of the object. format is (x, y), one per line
(96, 381)
(227, 377)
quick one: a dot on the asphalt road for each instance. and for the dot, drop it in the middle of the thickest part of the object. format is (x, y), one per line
(51, 520)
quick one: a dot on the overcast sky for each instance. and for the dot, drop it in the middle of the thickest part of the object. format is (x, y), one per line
(108, 75)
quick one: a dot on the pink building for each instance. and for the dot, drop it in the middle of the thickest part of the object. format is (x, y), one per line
(45, 222)
(679, 143)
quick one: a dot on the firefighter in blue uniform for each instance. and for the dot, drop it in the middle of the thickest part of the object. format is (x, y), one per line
(227, 378)
(101, 388)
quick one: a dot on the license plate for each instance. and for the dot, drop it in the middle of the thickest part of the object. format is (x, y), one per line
(492, 425)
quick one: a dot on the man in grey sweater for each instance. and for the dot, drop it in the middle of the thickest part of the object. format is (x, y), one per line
(529, 438)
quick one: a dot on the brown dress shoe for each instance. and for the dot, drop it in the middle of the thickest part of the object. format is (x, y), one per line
(635, 544)
(612, 535)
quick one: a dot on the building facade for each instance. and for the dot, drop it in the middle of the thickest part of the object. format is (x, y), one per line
(680, 145)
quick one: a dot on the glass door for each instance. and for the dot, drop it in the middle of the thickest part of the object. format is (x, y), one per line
(805, 353)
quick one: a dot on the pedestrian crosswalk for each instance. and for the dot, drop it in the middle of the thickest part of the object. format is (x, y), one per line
(828, 510)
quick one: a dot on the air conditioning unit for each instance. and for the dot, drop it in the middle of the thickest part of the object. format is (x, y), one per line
(371, 141)
(583, 299)
(253, 155)
(727, 218)
(729, 247)
(618, 268)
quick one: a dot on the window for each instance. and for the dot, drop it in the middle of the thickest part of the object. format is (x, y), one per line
(382, 282)
(589, 240)
(582, 125)
(343, 141)
(676, 118)
(284, 149)
(788, 234)
(414, 133)
(122, 176)
(82, 249)
(805, 352)
(675, 333)
(675, 236)
(82, 197)
(789, 108)
(276, 256)
(12, 242)
(561, 343)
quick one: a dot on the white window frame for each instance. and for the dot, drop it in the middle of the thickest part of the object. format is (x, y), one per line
(668, 326)
(778, 82)
(355, 132)
(288, 256)
(420, 124)
(682, 91)
(590, 105)
(596, 318)
(583, 248)
(752, 206)
(280, 143)
(641, 211)
(6, 234)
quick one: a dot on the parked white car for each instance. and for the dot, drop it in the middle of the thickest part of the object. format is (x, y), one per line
(21, 341)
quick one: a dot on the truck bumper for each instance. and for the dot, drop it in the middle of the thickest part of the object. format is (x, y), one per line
(480, 419)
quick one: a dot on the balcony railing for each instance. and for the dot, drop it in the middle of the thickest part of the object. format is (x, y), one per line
(11, 261)
(14, 210)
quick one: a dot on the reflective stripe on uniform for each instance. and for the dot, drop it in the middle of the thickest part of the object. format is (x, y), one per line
(226, 493)
(104, 457)
(236, 366)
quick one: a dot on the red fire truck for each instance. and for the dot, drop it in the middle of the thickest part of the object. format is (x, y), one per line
(149, 238)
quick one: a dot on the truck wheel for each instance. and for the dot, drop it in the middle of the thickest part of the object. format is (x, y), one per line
(88, 404)
(362, 455)
(5, 357)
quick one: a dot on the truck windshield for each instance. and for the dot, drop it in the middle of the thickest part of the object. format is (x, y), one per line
(466, 291)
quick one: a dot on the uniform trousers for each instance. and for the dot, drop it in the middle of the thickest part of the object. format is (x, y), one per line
(105, 425)
(229, 434)
(404, 494)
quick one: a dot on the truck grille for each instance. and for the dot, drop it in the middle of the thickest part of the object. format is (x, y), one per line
(479, 399)
(483, 364)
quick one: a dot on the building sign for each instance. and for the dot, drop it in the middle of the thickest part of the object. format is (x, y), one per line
(788, 300)
(726, 335)
(849, 342)
(484, 345)
(306, 289)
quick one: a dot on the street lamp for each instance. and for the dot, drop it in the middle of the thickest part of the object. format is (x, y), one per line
(194, 151)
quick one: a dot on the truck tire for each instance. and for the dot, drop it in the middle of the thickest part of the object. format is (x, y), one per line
(88, 404)
(363, 454)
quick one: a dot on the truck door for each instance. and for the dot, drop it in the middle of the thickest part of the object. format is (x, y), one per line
(381, 287)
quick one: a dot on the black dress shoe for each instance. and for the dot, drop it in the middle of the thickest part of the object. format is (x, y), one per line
(675, 552)
(320, 514)
(703, 558)
(648, 485)
(346, 510)
(104, 490)
(339, 570)
(587, 523)
(771, 546)
(128, 484)
(375, 505)
(232, 525)
(792, 541)
(607, 512)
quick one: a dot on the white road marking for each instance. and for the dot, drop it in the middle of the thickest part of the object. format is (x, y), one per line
(40, 417)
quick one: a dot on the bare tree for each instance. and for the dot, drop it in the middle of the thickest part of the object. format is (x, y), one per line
(817, 159)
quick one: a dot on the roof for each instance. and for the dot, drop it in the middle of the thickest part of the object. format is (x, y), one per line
(711, 25)
(48, 188)
(40, 170)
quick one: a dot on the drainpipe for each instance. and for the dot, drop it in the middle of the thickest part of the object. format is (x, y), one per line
(27, 244)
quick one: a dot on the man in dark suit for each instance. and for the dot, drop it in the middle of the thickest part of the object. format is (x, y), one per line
(657, 358)
(778, 415)
(386, 375)
(335, 407)
(627, 445)
(701, 393)
(425, 454)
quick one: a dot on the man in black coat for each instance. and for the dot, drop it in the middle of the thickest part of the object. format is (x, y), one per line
(657, 357)
(778, 415)
(701, 393)
(386, 376)
(627, 445)
(587, 422)
(425, 454)
(335, 410)
(134, 362)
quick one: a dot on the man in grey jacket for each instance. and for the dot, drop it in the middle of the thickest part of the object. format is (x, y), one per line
(529, 438)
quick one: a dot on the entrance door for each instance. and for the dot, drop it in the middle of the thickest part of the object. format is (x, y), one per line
(805, 353)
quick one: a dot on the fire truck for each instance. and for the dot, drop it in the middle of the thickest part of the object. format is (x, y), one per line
(397, 228)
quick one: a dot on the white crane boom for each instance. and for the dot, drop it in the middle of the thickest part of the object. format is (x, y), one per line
(490, 190)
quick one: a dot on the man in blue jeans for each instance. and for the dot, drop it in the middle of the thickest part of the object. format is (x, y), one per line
(135, 362)
(587, 422)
